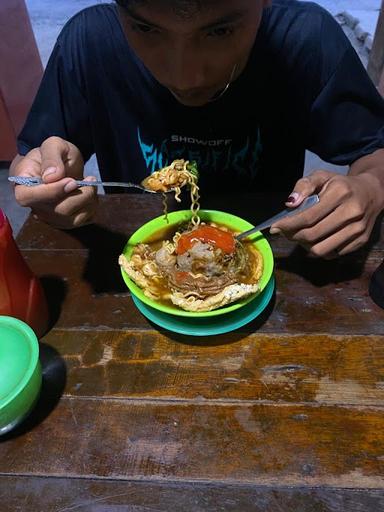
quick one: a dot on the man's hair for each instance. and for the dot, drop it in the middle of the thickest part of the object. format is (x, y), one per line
(183, 8)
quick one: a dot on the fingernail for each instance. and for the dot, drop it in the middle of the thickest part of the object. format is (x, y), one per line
(293, 198)
(70, 187)
(50, 170)
(275, 231)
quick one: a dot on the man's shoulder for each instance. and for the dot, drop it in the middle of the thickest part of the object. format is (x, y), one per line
(303, 34)
(301, 45)
(299, 19)
(294, 8)
(93, 35)
(95, 21)
(94, 12)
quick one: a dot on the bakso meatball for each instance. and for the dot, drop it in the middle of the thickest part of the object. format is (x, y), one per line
(202, 258)
(164, 259)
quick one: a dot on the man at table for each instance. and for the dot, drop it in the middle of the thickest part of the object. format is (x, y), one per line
(243, 87)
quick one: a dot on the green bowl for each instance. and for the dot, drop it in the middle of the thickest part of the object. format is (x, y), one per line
(148, 230)
(20, 372)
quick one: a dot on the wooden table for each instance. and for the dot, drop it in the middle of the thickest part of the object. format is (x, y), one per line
(285, 415)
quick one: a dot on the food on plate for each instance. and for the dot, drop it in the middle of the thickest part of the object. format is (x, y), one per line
(172, 178)
(195, 267)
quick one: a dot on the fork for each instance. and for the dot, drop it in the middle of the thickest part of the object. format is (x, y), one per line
(307, 203)
(34, 181)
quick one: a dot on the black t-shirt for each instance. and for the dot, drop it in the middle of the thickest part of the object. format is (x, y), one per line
(304, 88)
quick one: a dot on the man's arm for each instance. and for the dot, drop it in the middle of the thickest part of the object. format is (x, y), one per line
(349, 205)
(372, 166)
(345, 127)
(57, 137)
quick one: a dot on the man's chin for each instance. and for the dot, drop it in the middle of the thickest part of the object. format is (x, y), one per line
(197, 100)
(193, 102)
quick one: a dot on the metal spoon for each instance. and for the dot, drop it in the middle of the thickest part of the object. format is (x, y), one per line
(307, 203)
(34, 181)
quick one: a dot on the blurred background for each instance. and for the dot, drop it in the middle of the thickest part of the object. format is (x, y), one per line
(29, 30)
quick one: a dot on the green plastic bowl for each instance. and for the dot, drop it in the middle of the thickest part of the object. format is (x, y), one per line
(20, 372)
(148, 230)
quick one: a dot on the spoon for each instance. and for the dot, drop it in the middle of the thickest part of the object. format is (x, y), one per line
(307, 203)
(34, 181)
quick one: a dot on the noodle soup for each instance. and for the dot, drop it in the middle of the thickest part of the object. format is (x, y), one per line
(203, 270)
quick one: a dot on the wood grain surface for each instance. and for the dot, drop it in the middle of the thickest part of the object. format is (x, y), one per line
(285, 414)
(90, 495)
(212, 442)
(310, 369)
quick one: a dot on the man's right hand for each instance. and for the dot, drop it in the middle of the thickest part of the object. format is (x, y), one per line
(59, 201)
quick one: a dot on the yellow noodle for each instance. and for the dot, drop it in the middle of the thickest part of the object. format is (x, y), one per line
(169, 246)
(165, 207)
(177, 194)
(183, 176)
(195, 205)
(176, 238)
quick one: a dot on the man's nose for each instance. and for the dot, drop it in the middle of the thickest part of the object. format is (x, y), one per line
(186, 69)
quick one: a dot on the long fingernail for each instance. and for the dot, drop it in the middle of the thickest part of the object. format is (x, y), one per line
(70, 187)
(50, 170)
(293, 198)
(275, 231)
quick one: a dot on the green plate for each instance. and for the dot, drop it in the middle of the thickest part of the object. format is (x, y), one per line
(20, 371)
(148, 230)
(209, 326)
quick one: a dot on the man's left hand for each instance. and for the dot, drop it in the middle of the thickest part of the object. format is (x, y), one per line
(343, 219)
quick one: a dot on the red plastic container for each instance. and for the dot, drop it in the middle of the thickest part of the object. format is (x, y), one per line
(21, 293)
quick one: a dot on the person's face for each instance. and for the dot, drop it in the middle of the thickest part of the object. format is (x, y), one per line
(194, 52)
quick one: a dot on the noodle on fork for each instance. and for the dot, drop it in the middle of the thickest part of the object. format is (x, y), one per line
(171, 179)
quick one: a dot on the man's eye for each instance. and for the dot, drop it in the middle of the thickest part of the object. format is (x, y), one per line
(221, 32)
(143, 28)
